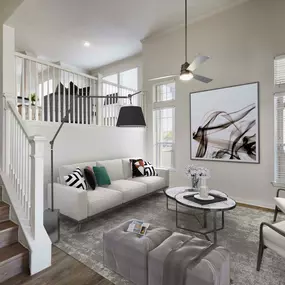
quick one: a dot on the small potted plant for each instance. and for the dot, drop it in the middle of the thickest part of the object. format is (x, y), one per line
(198, 175)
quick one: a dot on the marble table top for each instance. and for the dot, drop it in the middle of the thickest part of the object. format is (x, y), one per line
(178, 194)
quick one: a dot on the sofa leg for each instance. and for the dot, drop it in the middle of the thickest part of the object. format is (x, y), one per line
(79, 225)
(260, 255)
(275, 214)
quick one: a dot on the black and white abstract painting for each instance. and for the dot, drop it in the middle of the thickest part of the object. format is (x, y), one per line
(225, 124)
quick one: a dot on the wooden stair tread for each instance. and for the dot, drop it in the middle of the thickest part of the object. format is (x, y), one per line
(4, 212)
(11, 252)
(7, 225)
(3, 205)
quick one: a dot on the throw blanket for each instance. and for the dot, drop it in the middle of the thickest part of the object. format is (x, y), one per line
(185, 256)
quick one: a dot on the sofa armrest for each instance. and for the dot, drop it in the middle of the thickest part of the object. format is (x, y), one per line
(164, 173)
(71, 202)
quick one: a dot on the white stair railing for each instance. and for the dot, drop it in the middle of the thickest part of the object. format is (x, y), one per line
(45, 91)
(23, 176)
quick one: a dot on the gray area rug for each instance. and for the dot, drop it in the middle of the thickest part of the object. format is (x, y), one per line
(240, 236)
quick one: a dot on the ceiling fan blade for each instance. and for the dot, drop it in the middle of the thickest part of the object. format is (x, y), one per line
(202, 78)
(198, 61)
(162, 77)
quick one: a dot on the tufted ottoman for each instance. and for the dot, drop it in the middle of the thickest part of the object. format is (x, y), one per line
(212, 269)
(127, 253)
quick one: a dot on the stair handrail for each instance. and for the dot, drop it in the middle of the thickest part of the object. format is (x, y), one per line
(15, 112)
(23, 164)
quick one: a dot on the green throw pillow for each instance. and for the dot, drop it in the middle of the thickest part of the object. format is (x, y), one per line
(102, 176)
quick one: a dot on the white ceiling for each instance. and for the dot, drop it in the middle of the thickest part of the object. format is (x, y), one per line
(56, 29)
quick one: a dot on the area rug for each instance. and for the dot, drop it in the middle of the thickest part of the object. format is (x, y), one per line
(240, 236)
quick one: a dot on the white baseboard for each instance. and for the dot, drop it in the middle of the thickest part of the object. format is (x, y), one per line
(255, 203)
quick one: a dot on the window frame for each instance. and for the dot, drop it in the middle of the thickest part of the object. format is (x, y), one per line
(158, 106)
(118, 75)
(281, 57)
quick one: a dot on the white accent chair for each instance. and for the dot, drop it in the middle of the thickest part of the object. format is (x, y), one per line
(280, 204)
(273, 235)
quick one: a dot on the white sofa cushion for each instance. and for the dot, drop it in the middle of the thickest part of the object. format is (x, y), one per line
(102, 199)
(280, 203)
(67, 169)
(129, 189)
(114, 168)
(71, 201)
(153, 183)
(127, 168)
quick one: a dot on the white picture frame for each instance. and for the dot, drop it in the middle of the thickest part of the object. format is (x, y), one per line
(224, 124)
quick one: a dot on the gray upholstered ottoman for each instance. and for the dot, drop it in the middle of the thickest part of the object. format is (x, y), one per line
(127, 253)
(212, 269)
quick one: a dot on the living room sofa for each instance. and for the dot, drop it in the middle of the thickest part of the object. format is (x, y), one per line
(80, 205)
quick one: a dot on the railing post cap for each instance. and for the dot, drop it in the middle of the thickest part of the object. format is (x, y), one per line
(37, 138)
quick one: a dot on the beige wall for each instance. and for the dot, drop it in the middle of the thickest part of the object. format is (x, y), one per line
(242, 43)
(79, 143)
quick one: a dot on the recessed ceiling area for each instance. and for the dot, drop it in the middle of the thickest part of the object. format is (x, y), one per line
(57, 29)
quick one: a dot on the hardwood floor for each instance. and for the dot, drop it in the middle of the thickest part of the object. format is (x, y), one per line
(65, 270)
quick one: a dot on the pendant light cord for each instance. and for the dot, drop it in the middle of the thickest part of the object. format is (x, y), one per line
(186, 30)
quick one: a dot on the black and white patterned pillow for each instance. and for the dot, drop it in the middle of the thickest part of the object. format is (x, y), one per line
(76, 179)
(149, 169)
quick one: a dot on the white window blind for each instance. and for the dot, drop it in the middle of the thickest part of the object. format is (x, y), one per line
(279, 136)
(279, 70)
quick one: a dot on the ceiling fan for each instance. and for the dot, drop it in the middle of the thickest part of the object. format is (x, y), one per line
(187, 69)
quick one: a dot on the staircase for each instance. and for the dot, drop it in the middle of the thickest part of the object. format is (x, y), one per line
(22, 178)
(14, 258)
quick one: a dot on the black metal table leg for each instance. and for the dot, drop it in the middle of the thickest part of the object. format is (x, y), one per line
(205, 220)
(176, 215)
(167, 203)
(215, 226)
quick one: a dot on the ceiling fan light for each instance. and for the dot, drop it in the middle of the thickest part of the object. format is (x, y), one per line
(186, 75)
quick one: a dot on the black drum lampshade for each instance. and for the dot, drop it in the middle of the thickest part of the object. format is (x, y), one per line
(131, 116)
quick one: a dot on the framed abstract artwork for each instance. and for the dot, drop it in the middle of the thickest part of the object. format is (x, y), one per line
(224, 124)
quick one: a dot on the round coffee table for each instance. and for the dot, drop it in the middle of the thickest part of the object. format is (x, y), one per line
(178, 194)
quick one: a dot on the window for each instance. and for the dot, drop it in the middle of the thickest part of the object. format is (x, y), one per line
(164, 126)
(165, 92)
(279, 108)
(279, 70)
(112, 78)
(129, 78)
(47, 88)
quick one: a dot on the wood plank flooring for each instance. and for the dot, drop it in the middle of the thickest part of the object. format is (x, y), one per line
(65, 270)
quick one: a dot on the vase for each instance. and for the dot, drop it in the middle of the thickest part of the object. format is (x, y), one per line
(204, 189)
(195, 183)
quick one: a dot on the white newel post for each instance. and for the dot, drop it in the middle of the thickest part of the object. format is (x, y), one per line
(37, 184)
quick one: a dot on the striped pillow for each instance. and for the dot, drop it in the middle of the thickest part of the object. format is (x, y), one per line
(76, 179)
(149, 169)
